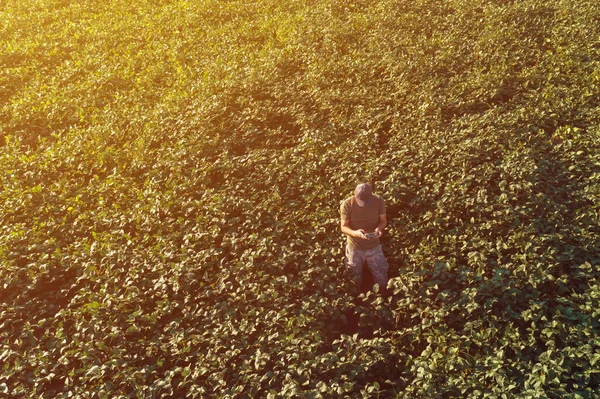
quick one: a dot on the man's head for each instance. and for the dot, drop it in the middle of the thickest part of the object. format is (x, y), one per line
(363, 193)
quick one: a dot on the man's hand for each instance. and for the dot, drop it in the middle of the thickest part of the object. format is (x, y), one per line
(360, 233)
(381, 225)
(345, 226)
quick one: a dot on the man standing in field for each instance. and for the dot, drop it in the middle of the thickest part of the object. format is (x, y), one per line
(363, 220)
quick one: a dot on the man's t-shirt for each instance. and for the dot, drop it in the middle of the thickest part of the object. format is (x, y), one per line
(366, 218)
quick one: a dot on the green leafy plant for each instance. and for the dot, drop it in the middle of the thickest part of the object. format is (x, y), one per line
(171, 178)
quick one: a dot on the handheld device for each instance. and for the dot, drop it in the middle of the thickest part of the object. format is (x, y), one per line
(371, 235)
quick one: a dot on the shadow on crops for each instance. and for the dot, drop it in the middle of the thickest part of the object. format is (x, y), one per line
(565, 237)
(560, 209)
(52, 292)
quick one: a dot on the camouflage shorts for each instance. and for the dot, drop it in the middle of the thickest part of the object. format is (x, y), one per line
(375, 260)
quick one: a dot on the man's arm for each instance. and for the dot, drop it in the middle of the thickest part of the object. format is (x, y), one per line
(381, 225)
(345, 226)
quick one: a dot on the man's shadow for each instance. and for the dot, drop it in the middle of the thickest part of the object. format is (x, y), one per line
(353, 317)
(367, 281)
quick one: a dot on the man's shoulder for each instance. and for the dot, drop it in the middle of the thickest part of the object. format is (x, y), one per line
(380, 203)
(346, 203)
(347, 200)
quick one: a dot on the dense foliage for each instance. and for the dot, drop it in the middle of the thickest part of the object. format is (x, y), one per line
(171, 179)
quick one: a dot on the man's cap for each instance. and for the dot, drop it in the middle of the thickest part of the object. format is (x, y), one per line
(363, 193)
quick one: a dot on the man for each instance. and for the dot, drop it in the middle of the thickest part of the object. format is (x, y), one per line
(363, 220)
